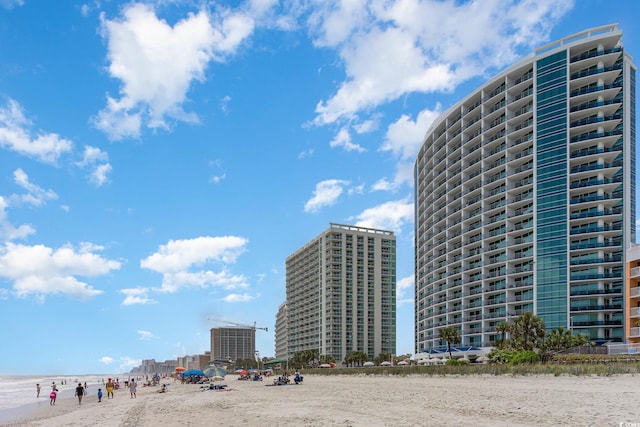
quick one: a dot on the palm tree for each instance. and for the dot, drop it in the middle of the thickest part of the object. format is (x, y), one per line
(451, 335)
(503, 328)
(527, 331)
(560, 339)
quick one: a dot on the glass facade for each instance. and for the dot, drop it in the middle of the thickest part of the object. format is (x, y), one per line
(551, 190)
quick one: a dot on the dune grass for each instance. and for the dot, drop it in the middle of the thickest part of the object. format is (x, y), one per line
(604, 368)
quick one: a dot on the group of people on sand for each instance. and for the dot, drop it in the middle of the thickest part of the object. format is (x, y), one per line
(81, 390)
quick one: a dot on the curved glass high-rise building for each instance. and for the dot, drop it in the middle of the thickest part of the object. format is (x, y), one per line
(525, 197)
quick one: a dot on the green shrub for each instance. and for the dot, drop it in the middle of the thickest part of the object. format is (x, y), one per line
(456, 362)
(513, 357)
(526, 356)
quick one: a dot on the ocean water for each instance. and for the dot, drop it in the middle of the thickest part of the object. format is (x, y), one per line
(18, 393)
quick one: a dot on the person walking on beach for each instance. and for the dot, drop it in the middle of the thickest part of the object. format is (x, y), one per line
(132, 388)
(38, 390)
(109, 389)
(86, 389)
(53, 386)
(79, 393)
(99, 395)
(52, 397)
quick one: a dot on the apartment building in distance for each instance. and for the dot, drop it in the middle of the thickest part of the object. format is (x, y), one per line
(525, 197)
(341, 293)
(233, 343)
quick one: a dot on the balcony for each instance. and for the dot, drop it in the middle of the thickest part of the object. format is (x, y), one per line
(598, 307)
(594, 53)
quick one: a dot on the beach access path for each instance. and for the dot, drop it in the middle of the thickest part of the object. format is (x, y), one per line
(363, 400)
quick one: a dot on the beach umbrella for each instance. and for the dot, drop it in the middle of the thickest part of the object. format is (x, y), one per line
(180, 369)
(214, 371)
(483, 359)
(385, 363)
(368, 364)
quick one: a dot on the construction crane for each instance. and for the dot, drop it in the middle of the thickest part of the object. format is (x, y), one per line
(242, 325)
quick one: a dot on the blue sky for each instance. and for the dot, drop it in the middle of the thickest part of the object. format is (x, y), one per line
(160, 160)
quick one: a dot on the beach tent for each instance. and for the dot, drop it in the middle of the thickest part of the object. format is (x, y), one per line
(385, 363)
(213, 371)
(193, 372)
(368, 364)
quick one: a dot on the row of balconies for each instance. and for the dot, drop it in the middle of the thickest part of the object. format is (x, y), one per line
(583, 137)
(528, 122)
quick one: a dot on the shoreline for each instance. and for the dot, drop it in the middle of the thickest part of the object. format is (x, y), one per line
(363, 400)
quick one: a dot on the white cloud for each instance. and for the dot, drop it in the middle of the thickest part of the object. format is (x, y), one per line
(387, 216)
(390, 49)
(106, 360)
(144, 335)
(306, 153)
(178, 255)
(326, 194)
(238, 298)
(100, 174)
(35, 196)
(402, 286)
(383, 184)
(7, 231)
(40, 271)
(176, 260)
(171, 282)
(10, 4)
(343, 139)
(128, 363)
(157, 63)
(136, 296)
(15, 135)
(224, 104)
(217, 179)
(92, 155)
(367, 126)
(404, 138)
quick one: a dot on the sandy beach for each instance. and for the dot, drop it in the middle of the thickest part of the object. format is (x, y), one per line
(361, 400)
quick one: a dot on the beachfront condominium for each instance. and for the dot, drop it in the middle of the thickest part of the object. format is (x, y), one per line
(281, 332)
(525, 197)
(341, 293)
(233, 343)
